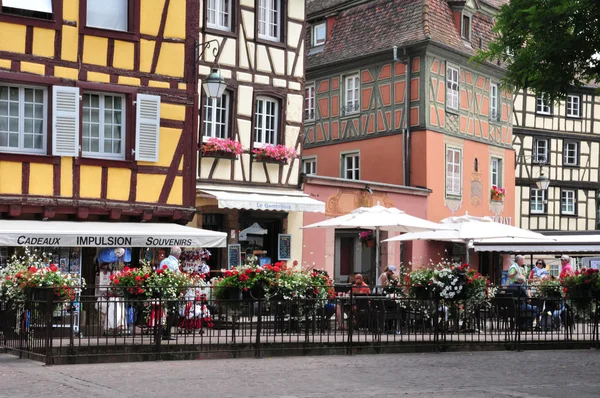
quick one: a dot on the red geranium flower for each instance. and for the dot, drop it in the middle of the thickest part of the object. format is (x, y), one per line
(165, 266)
(138, 278)
(126, 269)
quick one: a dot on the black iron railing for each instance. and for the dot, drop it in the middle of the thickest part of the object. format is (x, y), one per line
(123, 329)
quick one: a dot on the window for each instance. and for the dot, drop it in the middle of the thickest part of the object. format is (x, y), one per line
(567, 202)
(540, 151)
(453, 171)
(103, 122)
(41, 9)
(555, 270)
(318, 34)
(269, 19)
(23, 119)
(573, 106)
(570, 152)
(108, 14)
(216, 117)
(536, 201)
(218, 14)
(543, 105)
(309, 102)
(496, 172)
(309, 165)
(466, 27)
(352, 94)
(452, 88)
(494, 102)
(351, 166)
(265, 121)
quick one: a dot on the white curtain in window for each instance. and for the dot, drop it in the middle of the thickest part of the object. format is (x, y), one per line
(31, 5)
(107, 14)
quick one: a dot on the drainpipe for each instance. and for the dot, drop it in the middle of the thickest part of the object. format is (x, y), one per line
(406, 130)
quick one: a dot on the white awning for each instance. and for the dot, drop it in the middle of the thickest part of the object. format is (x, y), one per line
(105, 234)
(31, 5)
(559, 244)
(263, 199)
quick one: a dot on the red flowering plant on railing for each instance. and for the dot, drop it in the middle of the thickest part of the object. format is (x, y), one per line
(278, 153)
(581, 286)
(215, 146)
(143, 283)
(26, 274)
(277, 281)
(497, 193)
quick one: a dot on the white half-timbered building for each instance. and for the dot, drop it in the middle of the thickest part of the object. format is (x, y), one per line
(260, 56)
(562, 140)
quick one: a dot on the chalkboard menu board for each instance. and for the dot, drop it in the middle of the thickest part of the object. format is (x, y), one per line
(234, 256)
(284, 247)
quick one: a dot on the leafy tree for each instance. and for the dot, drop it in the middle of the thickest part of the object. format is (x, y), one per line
(547, 46)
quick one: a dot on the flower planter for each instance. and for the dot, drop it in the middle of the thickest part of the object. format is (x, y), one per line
(422, 292)
(370, 243)
(263, 159)
(219, 154)
(42, 294)
(496, 198)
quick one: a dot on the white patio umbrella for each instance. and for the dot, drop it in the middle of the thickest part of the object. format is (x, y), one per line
(380, 218)
(469, 228)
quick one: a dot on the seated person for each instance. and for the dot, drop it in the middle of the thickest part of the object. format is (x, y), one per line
(359, 286)
(519, 291)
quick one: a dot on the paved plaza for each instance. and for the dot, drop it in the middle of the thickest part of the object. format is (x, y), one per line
(464, 374)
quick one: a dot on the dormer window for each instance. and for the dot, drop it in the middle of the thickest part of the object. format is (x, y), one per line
(318, 34)
(465, 27)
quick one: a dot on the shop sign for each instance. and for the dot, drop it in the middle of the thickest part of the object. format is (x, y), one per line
(502, 220)
(96, 241)
(274, 206)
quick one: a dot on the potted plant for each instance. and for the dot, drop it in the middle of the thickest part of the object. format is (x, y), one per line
(366, 238)
(419, 283)
(218, 147)
(274, 154)
(497, 194)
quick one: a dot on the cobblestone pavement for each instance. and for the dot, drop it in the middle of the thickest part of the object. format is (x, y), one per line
(474, 374)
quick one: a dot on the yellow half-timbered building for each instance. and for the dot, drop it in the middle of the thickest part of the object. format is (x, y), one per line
(97, 109)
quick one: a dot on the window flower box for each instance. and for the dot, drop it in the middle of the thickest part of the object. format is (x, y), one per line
(274, 154)
(497, 194)
(222, 148)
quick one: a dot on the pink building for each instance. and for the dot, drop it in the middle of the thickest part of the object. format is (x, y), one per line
(340, 251)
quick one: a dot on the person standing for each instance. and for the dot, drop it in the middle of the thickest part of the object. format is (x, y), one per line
(566, 268)
(517, 268)
(172, 264)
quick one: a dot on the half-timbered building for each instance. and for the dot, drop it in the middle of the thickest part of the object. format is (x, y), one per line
(560, 141)
(256, 199)
(391, 97)
(96, 110)
(97, 106)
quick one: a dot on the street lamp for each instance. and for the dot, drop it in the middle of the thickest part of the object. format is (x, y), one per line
(542, 182)
(214, 85)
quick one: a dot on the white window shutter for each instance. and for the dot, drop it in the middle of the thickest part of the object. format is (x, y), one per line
(147, 127)
(65, 121)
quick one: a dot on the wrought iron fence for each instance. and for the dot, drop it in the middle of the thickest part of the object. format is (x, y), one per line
(201, 326)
